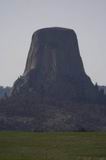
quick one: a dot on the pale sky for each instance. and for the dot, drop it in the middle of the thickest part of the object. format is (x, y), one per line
(20, 18)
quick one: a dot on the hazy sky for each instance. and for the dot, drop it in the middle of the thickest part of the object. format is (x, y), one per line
(20, 18)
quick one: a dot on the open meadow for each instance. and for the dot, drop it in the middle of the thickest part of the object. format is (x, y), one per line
(52, 146)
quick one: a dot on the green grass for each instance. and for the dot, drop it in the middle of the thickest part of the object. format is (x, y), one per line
(52, 146)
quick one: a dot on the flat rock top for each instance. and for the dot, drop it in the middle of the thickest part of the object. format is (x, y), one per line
(54, 33)
(56, 29)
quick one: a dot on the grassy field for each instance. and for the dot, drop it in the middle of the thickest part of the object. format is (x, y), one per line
(52, 146)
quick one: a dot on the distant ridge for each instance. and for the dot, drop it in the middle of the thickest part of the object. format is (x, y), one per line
(103, 87)
(5, 91)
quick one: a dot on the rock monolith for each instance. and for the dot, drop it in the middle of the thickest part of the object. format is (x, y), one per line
(54, 68)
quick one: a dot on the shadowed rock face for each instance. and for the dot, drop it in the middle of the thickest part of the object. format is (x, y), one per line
(54, 68)
(56, 50)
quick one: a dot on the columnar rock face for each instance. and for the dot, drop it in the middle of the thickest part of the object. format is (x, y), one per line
(56, 50)
(54, 68)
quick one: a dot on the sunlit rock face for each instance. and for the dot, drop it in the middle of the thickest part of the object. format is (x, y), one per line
(54, 68)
